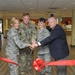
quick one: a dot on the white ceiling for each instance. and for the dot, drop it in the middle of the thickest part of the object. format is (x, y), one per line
(38, 7)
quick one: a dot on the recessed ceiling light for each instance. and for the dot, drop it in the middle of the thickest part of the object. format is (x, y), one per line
(29, 3)
(65, 8)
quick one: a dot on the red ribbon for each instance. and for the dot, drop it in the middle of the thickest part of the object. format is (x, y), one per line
(39, 64)
(8, 60)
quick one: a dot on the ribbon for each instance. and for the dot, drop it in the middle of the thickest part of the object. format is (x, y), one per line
(8, 60)
(39, 64)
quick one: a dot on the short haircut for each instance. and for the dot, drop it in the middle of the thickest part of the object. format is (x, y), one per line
(12, 21)
(41, 20)
(25, 14)
(51, 15)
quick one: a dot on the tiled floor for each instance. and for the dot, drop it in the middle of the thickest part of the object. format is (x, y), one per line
(71, 69)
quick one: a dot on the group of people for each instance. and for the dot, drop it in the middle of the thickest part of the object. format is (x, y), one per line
(23, 37)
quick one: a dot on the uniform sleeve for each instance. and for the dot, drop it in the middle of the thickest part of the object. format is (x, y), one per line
(34, 32)
(46, 33)
(18, 42)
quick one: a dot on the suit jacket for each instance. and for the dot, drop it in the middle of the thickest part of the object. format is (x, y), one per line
(48, 28)
(57, 43)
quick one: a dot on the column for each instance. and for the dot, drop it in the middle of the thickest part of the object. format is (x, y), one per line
(73, 29)
(6, 27)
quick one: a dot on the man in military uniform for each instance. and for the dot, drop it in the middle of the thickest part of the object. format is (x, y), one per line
(28, 33)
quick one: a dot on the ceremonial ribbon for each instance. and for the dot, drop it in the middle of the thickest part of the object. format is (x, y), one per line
(39, 64)
(8, 60)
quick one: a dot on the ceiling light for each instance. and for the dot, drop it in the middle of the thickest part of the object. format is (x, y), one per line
(74, 3)
(29, 3)
(65, 8)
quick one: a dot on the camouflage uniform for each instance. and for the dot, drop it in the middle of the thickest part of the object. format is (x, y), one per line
(28, 33)
(12, 49)
(43, 52)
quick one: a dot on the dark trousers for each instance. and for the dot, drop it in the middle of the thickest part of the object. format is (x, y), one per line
(62, 70)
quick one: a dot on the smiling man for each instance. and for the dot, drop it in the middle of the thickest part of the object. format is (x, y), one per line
(57, 44)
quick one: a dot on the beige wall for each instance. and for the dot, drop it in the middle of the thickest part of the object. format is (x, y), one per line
(8, 16)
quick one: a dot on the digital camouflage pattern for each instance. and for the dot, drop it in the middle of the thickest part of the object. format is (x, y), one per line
(12, 49)
(43, 52)
(28, 33)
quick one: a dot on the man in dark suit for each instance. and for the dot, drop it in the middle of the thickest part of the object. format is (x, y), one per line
(57, 44)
